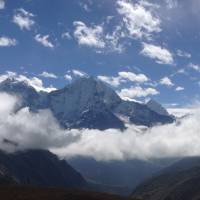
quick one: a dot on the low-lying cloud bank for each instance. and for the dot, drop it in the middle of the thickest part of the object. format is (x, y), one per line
(24, 130)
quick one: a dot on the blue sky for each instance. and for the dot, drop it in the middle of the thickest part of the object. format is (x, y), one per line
(143, 49)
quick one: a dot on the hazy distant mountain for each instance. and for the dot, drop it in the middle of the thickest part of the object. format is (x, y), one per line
(120, 176)
(87, 103)
(181, 181)
(40, 168)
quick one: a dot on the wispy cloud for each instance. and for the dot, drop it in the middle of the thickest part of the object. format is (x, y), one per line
(95, 36)
(89, 36)
(179, 88)
(158, 53)
(194, 67)
(66, 35)
(44, 40)
(23, 19)
(68, 77)
(166, 81)
(184, 54)
(137, 92)
(171, 4)
(123, 77)
(2, 4)
(139, 21)
(7, 42)
(48, 75)
(113, 81)
(78, 73)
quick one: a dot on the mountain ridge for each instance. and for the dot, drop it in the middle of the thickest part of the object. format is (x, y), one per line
(86, 103)
(179, 181)
(38, 168)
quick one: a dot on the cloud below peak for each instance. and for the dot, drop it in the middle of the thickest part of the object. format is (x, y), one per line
(40, 130)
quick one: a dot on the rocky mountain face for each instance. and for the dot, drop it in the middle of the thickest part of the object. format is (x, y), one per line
(5, 177)
(156, 107)
(87, 103)
(38, 168)
(180, 181)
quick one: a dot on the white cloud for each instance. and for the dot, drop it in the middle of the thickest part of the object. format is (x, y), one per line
(140, 78)
(113, 40)
(179, 88)
(32, 130)
(161, 55)
(68, 77)
(171, 4)
(44, 40)
(181, 53)
(8, 74)
(166, 81)
(48, 75)
(32, 81)
(67, 36)
(95, 36)
(7, 42)
(40, 130)
(194, 67)
(35, 83)
(122, 77)
(2, 4)
(23, 19)
(136, 92)
(113, 81)
(7, 103)
(139, 21)
(172, 140)
(74, 73)
(148, 4)
(89, 36)
(79, 73)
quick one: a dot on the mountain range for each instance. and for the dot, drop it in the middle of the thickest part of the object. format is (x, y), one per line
(88, 103)
(179, 181)
(120, 177)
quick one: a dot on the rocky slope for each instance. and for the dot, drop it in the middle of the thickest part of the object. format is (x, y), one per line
(39, 168)
(181, 181)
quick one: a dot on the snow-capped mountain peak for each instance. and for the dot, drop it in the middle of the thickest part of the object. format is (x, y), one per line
(87, 103)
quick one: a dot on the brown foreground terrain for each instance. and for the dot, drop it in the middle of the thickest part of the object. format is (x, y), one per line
(27, 193)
